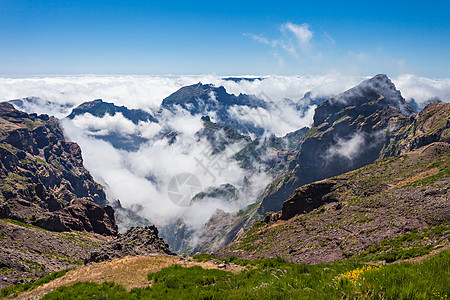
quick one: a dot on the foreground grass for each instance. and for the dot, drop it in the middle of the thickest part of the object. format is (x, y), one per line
(13, 290)
(278, 279)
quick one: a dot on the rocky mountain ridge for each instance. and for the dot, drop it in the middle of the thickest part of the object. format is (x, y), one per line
(215, 102)
(53, 215)
(375, 129)
(351, 130)
(371, 118)
(44, 182)
(99, 108)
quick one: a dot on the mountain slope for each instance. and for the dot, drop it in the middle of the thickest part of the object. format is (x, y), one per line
(354, 129)
(356, 211)
(43, 181)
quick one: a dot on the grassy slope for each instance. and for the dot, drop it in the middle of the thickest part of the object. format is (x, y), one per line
(278, 279)
(376, 203)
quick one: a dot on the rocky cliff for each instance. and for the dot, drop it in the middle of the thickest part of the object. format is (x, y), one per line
(354, 129)
(43, 181)
(53, 215)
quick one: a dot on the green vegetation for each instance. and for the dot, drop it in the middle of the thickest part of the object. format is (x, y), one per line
(278, 279)
(413, 244)
(7, 147)
(248, 208)
(86, 290)
(15, 222)
(310, 132)
(40, 160)
(444, 172)
(32, 124)
(34, 267)
(13, 290)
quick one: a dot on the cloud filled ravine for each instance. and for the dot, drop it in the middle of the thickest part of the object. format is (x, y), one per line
(212, 146)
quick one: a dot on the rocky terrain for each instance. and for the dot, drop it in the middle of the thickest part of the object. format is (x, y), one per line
(351, 130)
(43, 181)
(358, 211)
(135, 241)
(29, 252)
(354, 129)
(53, 215)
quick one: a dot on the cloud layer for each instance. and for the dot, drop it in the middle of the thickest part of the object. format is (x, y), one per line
(148, 91)
(140, 178)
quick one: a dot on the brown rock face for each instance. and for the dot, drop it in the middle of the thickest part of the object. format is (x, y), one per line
(43, 181)
(308, 198)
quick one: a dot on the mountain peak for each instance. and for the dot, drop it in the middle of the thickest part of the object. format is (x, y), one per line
(371, 90)
(99, 108)
(378, 91)
(187, 93)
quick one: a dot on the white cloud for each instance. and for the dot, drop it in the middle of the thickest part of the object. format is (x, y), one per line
(422, 89)
(113, 124)
(302, 33)
(147, 92)
(262, 39)
(347, 148)
(279, 119)
(293, 37)
(141, 178)
(329, 39)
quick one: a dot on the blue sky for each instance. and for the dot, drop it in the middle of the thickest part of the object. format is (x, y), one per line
(232, 37)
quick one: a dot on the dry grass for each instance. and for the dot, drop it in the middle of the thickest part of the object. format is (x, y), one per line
(130, 272)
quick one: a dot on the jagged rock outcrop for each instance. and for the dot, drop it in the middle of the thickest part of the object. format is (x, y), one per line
(431, 124)
(43, 181)
(312, 196)
(135, 241)
(354, 129)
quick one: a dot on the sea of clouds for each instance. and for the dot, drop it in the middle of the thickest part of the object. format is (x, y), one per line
(140, 179)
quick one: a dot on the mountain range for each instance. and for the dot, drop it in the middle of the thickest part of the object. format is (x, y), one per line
(368, 178)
